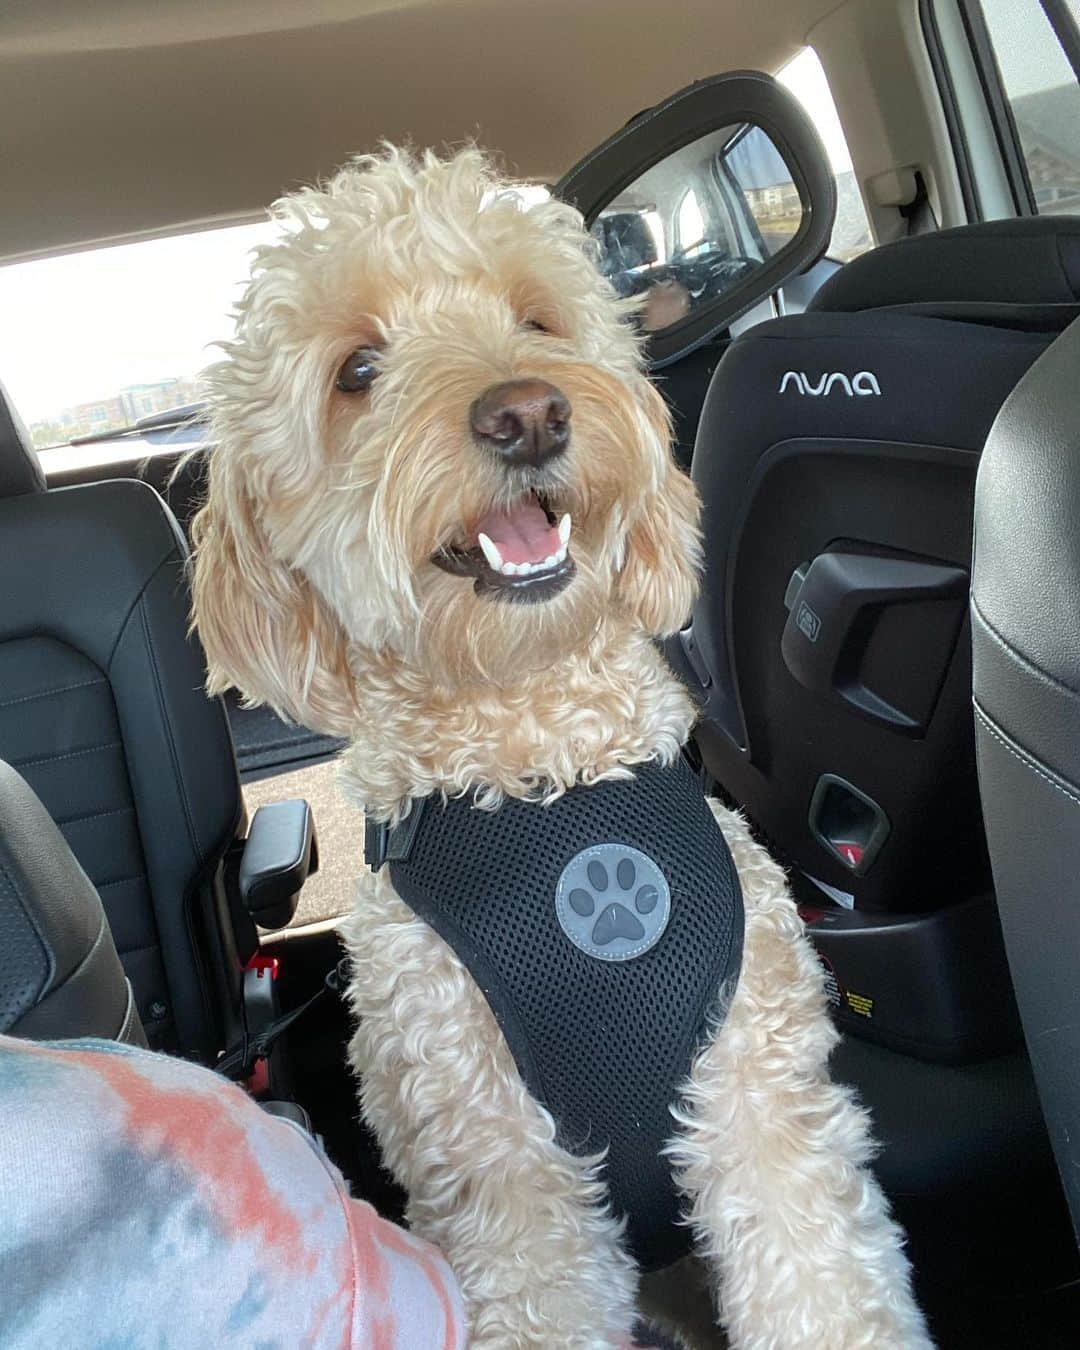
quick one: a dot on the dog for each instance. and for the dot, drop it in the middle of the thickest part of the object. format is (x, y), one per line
(443, 520)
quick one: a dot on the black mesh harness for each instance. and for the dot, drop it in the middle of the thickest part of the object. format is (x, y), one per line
(601, 930)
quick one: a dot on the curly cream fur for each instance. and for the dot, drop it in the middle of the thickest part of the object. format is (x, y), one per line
(536, 1254)
(315, 592)
(773, 1156)
(324, 509)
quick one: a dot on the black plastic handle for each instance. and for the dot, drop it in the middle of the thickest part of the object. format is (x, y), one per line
(826, 634)
(280, 854)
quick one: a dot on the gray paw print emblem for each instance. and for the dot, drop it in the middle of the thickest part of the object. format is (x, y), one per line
(613, 902)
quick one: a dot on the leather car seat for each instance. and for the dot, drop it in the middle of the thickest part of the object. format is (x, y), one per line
(60, 975)
(830, 652)
(1025, 614)
(102, 712)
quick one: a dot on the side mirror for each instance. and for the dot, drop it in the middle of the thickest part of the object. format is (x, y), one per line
(705, 204)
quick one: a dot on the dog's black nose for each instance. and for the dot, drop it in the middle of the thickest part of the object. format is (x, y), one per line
(522, 421)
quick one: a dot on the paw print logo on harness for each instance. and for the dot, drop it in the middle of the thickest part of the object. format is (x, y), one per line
(613, 902)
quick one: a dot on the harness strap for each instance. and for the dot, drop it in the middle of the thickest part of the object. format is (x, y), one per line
(604, 929)
(385, 843)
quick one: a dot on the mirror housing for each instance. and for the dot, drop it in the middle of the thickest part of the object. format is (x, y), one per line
(722, 111)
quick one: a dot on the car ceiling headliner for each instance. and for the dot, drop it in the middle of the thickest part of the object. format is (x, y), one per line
(133, 117)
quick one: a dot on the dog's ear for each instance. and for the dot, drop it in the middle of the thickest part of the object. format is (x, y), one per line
(264, 628)
(662, 562)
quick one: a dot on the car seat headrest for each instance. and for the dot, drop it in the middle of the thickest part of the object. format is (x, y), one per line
(20, 468)
(1013, 273)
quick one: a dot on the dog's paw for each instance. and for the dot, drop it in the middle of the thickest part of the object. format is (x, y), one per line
(613, 901)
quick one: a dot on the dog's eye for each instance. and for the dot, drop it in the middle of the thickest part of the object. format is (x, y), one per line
(358, 371)
(536, 325)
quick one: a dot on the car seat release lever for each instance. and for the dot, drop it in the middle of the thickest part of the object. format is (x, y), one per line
(835, 605)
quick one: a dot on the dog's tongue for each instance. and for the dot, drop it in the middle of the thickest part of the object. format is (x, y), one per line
(521, 533)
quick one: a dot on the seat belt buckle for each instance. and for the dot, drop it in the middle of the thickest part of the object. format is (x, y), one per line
(262, 965)
(248, 1061)
(260, 1010)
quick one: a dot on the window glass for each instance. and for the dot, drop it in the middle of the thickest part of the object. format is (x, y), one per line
(805, 77)
(691, 221)
(758, 171)
(95, 340)
(92, 341)
(1044, 97)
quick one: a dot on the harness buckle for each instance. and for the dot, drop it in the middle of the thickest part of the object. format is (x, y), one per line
(385, 843)
(376, 842)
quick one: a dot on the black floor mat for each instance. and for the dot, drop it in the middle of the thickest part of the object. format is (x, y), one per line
(263, 741)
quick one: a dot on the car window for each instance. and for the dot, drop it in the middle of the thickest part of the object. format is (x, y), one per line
(805, 77)
(690, 225)
(93, 341)
(1043, 96)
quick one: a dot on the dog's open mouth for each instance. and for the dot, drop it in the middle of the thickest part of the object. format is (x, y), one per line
(519, 552)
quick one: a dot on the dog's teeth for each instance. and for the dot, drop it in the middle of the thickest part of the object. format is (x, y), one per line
(491, 552)
(495, 561)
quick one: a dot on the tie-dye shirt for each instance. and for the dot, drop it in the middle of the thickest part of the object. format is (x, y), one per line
(146, 1202)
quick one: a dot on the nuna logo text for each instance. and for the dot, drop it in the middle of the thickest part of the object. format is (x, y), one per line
(861, 385)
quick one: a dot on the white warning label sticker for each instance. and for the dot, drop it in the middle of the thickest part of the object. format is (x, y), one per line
(843, 898)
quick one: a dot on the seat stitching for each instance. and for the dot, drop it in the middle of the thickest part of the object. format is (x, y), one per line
(93, 815)
(174, 756)
(1061, 264)
(120, 881)
(103, 935)
(172, 553)
(70, 754)
(1021, 660)
(49, 693)
(1026, 760)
